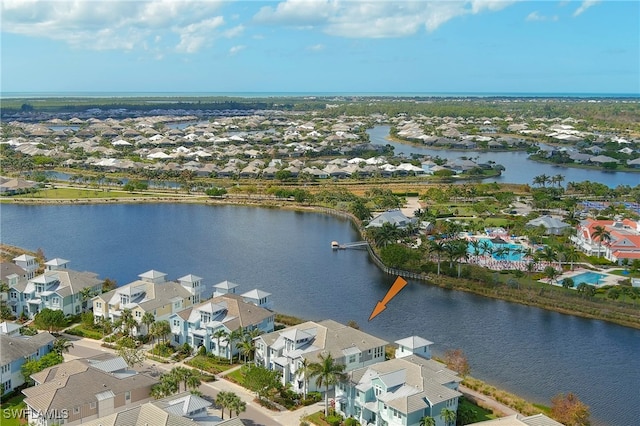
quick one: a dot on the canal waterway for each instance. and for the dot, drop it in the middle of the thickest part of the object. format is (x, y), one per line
(531, 352)
(519, 168)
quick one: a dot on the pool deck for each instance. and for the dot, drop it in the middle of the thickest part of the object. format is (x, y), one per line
(608, 279)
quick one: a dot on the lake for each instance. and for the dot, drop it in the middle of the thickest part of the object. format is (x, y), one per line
(519, 168)
(531, 352)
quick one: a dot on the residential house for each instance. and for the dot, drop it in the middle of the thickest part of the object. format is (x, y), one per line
(183, 409)
(15, 350)
(286, 350)
(58, 288)
(398, 392)
(10, 328)
(85, 389)
(197, 325)
(394, 217)
(623, 241)
(151, 293)
(28, 263)
(551, 225)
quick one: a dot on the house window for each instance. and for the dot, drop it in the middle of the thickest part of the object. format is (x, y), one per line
(5, 368)
(138, 314)
(176, 305)
(176, 323)
(7, 386)
(127, 396)
(176, 338)
(55, 301)
(352, 359)
(99, 305)
(92, 405)
(76, 409)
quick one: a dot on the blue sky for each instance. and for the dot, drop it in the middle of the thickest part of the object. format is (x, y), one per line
(312, 46)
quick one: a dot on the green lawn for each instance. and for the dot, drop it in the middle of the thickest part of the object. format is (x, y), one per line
(479, 414)
(10, 411)
(80, 330)
(75, 193)
(209, 364)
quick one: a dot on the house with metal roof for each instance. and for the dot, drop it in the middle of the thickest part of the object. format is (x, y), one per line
(85, 389)
(394, 217)
(151, 293)
(197, 325)
(58, 288)
(399, 391)
(551, 225)
(287, 349)
(15, 350)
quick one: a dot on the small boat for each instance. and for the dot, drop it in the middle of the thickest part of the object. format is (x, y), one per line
(335, 245)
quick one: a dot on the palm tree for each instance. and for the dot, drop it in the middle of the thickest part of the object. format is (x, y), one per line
(220, 333)
(551, 273)
(427, 421)
(437, 247)
(223, 400)
(62, 344)
(161, 329)
(458, 252)
(449, 416)
(86, 293)
(127, 322)
(148, 319)
(234, 336)
(600, 233)
(571, 255)
(237, 405)
(246, 348)
(305, 372)
(327, 373)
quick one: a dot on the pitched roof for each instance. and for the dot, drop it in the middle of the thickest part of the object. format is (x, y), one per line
(413, 342)
(60, 389)
(142, 415)
(16, 347)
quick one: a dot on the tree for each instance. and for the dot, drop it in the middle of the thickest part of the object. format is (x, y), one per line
(161, 329)
(126, 322)
(456, 360)
(49, 319)
(328, 373)
(305, 372)
(220, 333)
(86, 293)
(234, 336)
(223, 400)
(437, 247)
(132, 356)
(62, 344)
(448, 416)
(427, 421)
(236, 405)
(260, 380)
(551, 273)
(34, 366)
(601, 234)
(148, 319)
(108, 284)
(569, 410)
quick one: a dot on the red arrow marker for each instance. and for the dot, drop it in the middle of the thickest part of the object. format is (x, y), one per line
(393, 291)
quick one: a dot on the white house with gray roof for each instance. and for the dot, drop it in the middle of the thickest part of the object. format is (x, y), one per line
(552, 225)
(151, 293)
(398, 392)
(198, 325)
(394, 217)
(58, 288)
(286, 350)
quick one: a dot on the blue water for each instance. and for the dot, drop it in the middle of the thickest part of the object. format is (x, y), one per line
(587, 278)
(525, 350)
(514, 254)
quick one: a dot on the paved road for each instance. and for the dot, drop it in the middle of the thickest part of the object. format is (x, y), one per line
(255, 415)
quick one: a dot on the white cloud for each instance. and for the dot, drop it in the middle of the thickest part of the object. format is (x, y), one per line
(586, 4)
(372, 19)
(316, 47)
(236, 49)
(234, 32)
(102, 25)
(535, 16)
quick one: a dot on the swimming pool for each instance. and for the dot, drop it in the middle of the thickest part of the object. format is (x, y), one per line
(510, 252)
(592, 278)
